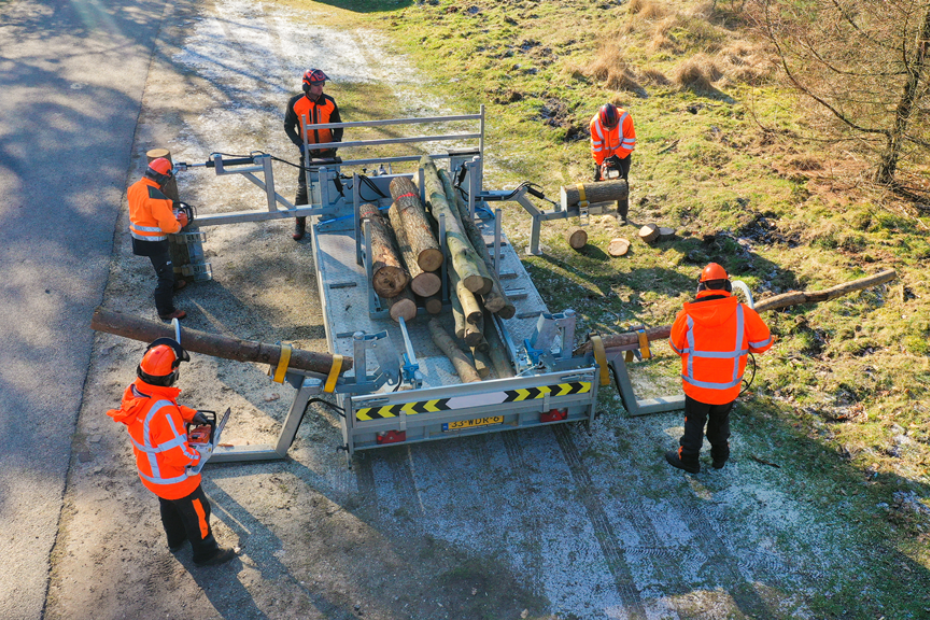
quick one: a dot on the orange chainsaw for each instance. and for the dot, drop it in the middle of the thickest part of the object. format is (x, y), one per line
(205, 437)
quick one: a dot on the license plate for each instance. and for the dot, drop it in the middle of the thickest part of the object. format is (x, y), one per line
(462, 424)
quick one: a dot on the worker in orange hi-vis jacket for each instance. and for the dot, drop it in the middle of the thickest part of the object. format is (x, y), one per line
(152, 217)
(613, 140)
(317, 109)
(713, 335)
(156, 425)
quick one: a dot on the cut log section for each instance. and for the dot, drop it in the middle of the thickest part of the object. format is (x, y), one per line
(618, 247)
(601, 191)
(462, 256)
(482, 363)
(649, 233)
(404, 305)
(666, 233)
(197, 341)
(416, 225)
(577, 237)
(471, 309)
(423, 283)
(388, 275)
(433, 303)
(459, 359)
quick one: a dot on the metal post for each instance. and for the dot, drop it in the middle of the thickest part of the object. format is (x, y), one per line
(269, 183)
(356, 202)
(497, 242)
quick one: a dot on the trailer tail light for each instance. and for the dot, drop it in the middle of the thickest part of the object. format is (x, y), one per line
(392, 437)
(554, 415)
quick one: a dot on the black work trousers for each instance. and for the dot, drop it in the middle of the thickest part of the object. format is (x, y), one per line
(302, 198)
(159, 254)
(188, 518)
(717, 419)
(623, 206)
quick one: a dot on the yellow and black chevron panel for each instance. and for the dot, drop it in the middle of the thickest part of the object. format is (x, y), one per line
(474, 400)
(392, 411)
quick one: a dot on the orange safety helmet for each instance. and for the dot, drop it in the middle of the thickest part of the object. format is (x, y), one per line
(714, 277)
(160, 170)
(608, 115)
(159, 365)
(313, 76)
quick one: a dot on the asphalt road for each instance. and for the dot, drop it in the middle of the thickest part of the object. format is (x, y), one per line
(72, 77)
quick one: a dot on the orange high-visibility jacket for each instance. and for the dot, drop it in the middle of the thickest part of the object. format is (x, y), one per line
(151, 213)
(619, 141)
(714, 338)
(320, 112)
(156, 427)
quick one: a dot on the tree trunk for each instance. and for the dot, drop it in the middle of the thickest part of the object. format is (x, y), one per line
(603, 191)
(496, 300)
(462, 255)
(388, 276)
(772, 303)
(422, 241)
(471, 309)
(453, 206)
(915, 76)
(404, 305)
(197, 341)
(423, 283)
(443, 340)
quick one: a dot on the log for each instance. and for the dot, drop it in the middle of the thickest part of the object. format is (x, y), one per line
(577, 237)
(197, 341)
(666, 233)
(403, 305)
(482, 363)
(388, 275)
(473, 332)
(451, 196)
(496, 300)
(443, 340)
(461, 254)
(423, 283)
(496, 351)
(618, 247)
(422, 240)
(795, 298)
(457, 315)
(483, 345)
(772, 303)
(601, 191)
(433, 303)
(469, 303)
(649, 233)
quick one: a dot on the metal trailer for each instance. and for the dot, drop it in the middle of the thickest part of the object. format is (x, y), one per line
(402, 388)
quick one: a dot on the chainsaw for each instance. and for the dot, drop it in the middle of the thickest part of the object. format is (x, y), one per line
(204, 438)
(610, 169)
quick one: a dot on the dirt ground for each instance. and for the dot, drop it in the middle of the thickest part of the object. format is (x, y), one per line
(557, 522)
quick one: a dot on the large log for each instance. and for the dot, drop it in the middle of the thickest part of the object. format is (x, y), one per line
(496, 300)
(772, 303)
(795, 298)
(423, 283)
(404, 305)
(451, 196)
(602, 191)
(462, 256)
(423, 243)
(197, 341)
(388, 275)
(443, 340)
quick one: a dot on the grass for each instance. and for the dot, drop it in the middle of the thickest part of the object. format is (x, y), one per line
(843, 396)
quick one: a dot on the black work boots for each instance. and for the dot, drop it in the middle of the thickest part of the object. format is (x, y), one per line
(675, 461)
(300, 228)
(220, 557)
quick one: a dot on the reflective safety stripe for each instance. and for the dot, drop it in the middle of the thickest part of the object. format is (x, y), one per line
(201, 519)
(136, 232)
(735, 355)
(178, 441)
(761, 343)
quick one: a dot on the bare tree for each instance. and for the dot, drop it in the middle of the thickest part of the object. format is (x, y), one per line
(865, 61)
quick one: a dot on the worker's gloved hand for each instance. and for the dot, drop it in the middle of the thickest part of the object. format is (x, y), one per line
(200, 418)
(301, 147)
(182, 218)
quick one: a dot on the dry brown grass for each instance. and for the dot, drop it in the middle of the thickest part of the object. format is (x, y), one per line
(612, 69)
(647, 9)
(697, 73)
(655, 77)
